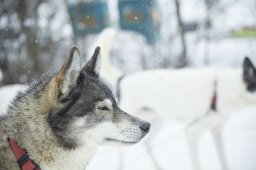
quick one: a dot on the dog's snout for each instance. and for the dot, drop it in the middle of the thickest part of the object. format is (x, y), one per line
(145, 127)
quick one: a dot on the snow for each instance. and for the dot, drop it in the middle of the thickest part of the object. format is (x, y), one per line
(224, 52)
(7, 94)
(128, 57)
(171, 150)
(227, 15)
(240, 140)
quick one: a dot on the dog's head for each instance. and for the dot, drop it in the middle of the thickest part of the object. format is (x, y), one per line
(86, 110)
(249, 75)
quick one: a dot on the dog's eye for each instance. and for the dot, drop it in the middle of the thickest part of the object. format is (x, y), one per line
(104, 108)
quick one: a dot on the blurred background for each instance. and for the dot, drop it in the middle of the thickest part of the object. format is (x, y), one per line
(173, 34)
(35, 37)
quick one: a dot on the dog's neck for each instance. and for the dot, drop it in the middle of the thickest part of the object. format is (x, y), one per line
(27, 123)
(43, 146)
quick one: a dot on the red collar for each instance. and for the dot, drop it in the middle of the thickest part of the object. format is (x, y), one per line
(214, 98)
(25, 163)
(214, 102)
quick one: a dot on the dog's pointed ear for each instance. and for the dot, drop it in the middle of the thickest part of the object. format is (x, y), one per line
(249, 71)
(92, 67)
(69, 73)
(72, 66)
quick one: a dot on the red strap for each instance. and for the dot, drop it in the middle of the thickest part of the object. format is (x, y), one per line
(214, 97)
(214, 102)
(21, 156)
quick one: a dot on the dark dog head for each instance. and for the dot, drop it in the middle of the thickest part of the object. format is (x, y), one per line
(249, 75)
(85, 109)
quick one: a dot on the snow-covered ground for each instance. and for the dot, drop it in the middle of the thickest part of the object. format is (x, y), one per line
(171, 150)
(7, 93)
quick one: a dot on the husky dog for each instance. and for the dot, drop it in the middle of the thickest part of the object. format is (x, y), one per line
(62, 118)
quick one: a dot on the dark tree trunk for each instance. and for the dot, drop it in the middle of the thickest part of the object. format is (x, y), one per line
(183, 61)
(34, 62)
(6, 74)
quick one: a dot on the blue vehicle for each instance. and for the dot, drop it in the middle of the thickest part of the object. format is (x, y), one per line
(141, 16)
(88, 17)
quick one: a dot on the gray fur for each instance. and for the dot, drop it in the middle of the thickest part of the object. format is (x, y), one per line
(57, 121)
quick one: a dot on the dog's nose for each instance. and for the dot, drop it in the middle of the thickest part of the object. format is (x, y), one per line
(145, 127)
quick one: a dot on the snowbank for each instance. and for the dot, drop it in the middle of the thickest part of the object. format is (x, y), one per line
(171, 150)
(7, 93)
